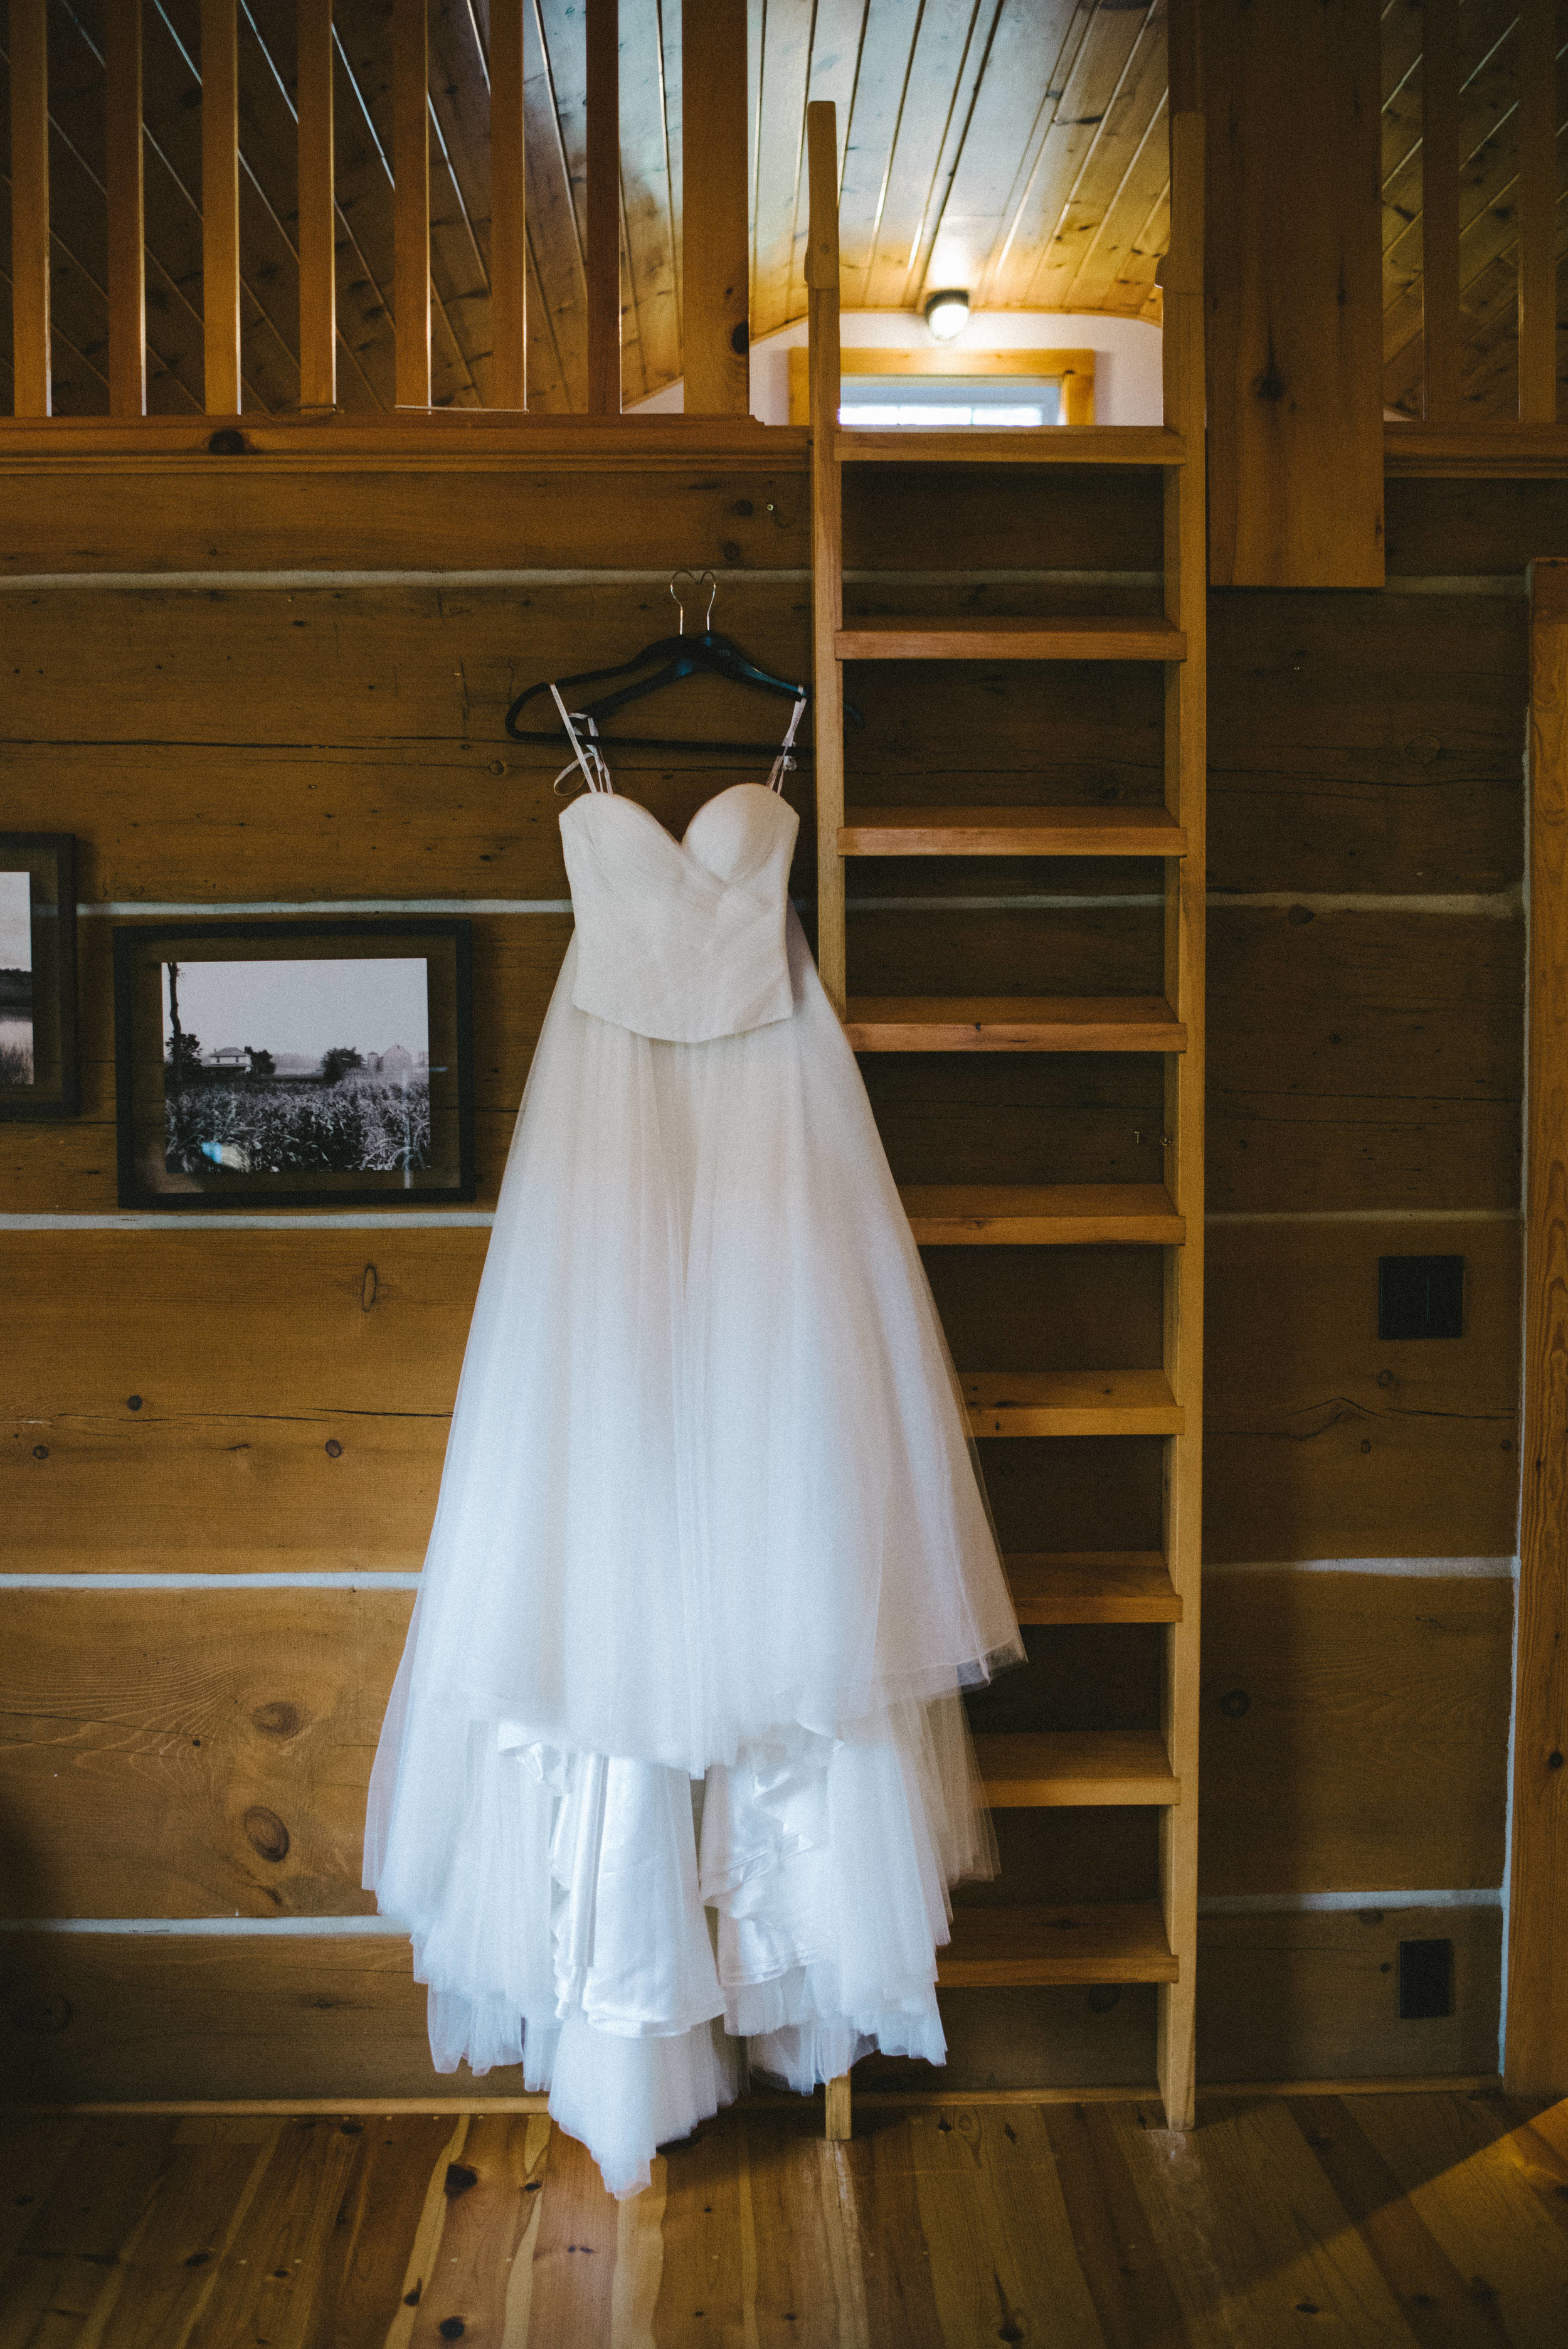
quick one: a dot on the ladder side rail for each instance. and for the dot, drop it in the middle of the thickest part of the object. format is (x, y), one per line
(827, 618)
(826, 542)
(1185, 756)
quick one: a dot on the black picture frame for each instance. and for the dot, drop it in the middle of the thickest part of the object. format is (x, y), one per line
(47, 996)
(163, 1162)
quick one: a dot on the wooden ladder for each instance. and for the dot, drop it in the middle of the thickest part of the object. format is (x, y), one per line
(1151, 1941)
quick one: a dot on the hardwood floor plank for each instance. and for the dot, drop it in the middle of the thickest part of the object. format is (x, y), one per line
(425, 2249)
(1445, 2153)
(377, 2221)
(702, 2286)
(900, 2303)
(1126, 2277)
(67, 2261)
(1436, 2301)
(571, 2288)
(32, 2155)
(807, 2290)
(166, 2276)
(494, 2194)
(1003, 2265)
(1252, 2233)
(270, 2282)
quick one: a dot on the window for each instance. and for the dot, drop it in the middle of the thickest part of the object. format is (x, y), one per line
(942, 389)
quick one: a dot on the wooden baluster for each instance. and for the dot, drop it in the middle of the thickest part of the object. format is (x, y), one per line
(509, 225)
(411, 201)
(317, 209)
(601, 259)
(1537, 38)
(1440, 208)
(123, 183)
(30, 205)
(220, 207)
(714, 244)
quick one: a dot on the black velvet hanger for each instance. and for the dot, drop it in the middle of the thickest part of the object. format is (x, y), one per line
(708, 653)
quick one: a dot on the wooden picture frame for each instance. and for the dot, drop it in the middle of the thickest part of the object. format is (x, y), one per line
(39, 1068)
(1074, 370)
(291, 1112)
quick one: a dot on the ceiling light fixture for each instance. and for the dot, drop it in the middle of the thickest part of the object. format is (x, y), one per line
(946, 314)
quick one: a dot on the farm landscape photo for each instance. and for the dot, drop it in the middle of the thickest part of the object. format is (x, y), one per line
(297, 1066)
(16, 978)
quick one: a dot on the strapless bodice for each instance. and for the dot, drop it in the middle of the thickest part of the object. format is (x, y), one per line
(683, 940)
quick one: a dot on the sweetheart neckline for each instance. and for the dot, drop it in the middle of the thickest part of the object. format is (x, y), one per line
(678, 840)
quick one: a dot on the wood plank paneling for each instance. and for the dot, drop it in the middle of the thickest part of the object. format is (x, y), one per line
(499, 515)
(1536, 2057)
(1318, 1687)
(1440, 159)
(166, 1759)
(1470, 528)
(1364, 1058)
(1295, 306)
(1327, 1441)
(1317, 1997)
(169, 1758)
(1366, 742)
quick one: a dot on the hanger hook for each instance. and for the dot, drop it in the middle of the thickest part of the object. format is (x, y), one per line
(697, 578)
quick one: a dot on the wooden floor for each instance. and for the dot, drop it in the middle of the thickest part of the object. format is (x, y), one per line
(1433, 2218)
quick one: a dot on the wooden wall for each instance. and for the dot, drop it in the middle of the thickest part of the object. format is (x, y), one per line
(184, 1759)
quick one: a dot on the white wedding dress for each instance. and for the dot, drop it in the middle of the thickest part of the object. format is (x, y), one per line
(675, 1757)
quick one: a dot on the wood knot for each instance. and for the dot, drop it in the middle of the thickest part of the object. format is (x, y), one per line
(266, 1834)
(1235, 1704)
(367, 1288)
(278, 1719)
(41, 2018)
(459, 2179)
(228, 443)
(334, 1449)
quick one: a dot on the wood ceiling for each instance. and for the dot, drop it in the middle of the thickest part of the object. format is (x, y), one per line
(1016, 146)
(1489, 194)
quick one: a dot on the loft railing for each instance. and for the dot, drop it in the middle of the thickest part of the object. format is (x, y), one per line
(714, 152)
(1487, 189)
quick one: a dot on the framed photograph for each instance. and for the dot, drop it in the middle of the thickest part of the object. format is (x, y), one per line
(38, 975)
(293, 1063)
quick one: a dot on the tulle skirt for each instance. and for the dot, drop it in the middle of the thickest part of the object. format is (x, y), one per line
(675, 1756)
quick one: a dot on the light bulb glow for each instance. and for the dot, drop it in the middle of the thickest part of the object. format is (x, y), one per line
(947, 313)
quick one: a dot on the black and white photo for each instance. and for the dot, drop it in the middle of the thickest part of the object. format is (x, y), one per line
(38, 975)
(16, 1066)
(274, 1068)
(298, 1062)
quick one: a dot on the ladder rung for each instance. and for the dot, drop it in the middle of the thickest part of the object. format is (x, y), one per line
(1048, 444)
(1022, 1948)
(1071, 1403)
(1051, 1769)
(1045, 1214)
(1010, 832)
(1110, 1586)
(1013, 1023)
(1120, 637)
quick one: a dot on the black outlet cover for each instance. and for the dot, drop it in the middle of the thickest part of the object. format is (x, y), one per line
(1425, 1981)
(1420, 1297)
